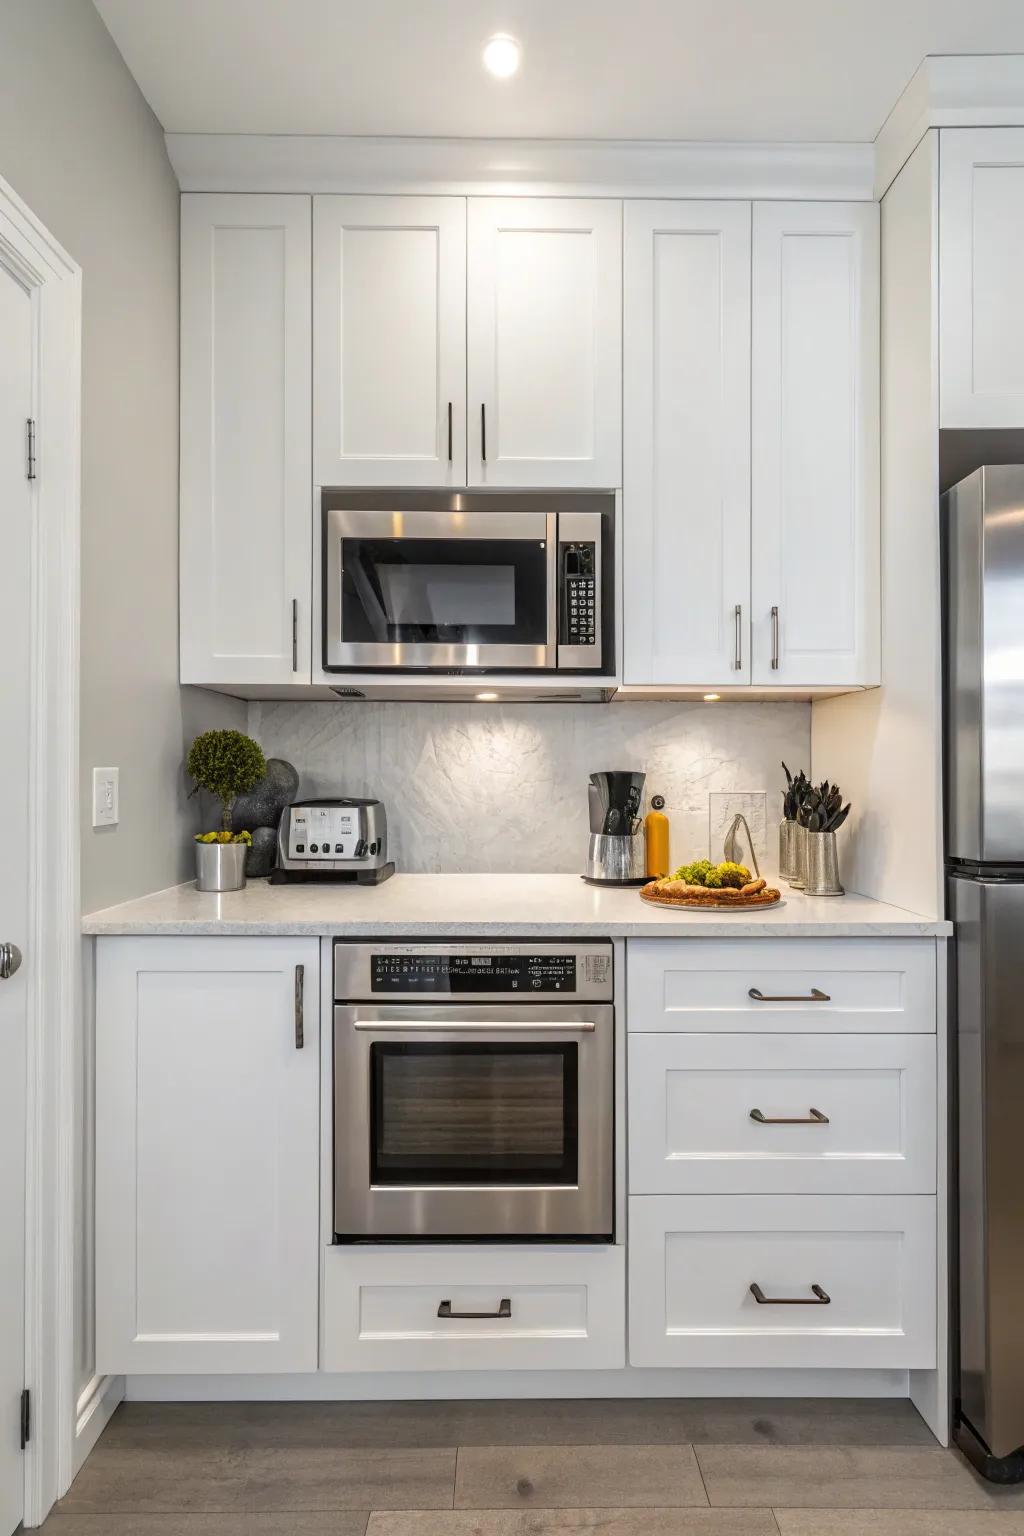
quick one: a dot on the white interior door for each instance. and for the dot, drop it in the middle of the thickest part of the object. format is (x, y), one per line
(544, 341)
(15, 508)
(686, 449)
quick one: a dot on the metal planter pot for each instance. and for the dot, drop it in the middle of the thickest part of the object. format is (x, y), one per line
(797, 876)
(220, 866)
(787, 829)
(822, 865)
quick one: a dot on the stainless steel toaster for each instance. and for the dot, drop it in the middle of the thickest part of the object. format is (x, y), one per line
(344, 839)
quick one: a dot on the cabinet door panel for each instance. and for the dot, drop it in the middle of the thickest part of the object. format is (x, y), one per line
(544, 327)
(207, 1156)
(981, 298)
(246, 554)
(815, 537)
(389, 324)
(686, 413)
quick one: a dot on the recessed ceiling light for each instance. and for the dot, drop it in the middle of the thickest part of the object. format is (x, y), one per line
(487, 697)
(712, 698)
(501, 55)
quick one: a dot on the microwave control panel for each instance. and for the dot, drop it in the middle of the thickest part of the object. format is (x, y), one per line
(580, 606)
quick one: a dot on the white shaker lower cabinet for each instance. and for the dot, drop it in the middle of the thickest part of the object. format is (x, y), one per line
(246, 529)
(814, 444)
(686, 442)
(544, 341)
(981, 299)
(207, 1154)
(389, 340)
(456, 1307)
(840, 1281)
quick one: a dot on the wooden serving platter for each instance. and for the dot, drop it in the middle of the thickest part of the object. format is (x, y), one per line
(712, 906)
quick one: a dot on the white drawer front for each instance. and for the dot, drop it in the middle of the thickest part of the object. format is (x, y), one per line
(845, 986)
(864, 1107)
(566, 1308)
(694, 1258)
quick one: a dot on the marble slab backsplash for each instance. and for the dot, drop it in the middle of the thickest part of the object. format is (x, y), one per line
(480, 787)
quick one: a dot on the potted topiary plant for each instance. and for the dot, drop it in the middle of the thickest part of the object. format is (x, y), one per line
(226, 764)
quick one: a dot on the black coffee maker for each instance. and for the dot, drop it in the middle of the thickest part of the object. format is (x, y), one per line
(615, 855)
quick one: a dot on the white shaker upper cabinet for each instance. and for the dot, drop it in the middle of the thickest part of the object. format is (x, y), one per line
(246, 551)
(389, 326)
(981, 296)
(686, 352)
(814, 444)
(544, 328)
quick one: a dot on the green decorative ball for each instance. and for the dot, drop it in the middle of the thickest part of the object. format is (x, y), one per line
(226, 763)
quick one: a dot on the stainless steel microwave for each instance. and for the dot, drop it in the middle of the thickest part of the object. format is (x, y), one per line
(468, 582)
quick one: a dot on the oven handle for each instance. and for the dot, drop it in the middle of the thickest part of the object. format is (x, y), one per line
(461, 1026)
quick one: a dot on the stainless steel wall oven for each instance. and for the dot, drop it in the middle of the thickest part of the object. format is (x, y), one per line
(473, 1091)
(468, 582)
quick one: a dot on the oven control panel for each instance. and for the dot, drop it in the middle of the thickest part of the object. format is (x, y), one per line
(452, 974)
(466, 971)
(580, 605)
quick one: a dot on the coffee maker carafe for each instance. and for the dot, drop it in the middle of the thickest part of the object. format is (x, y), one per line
(616, 852)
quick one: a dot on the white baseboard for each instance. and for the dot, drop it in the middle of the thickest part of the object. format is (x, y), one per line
(96, 1403)
(402, 1386)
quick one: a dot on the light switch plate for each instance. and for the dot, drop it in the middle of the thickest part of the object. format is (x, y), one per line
(104, 797)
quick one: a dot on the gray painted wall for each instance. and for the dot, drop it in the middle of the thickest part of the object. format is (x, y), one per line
(81, 147)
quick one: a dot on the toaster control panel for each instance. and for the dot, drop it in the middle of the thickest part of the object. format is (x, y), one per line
(328, 832)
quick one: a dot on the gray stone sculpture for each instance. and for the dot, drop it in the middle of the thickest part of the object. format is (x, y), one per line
(262, 806)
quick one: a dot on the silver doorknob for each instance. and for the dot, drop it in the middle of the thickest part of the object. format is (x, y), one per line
(10, 959)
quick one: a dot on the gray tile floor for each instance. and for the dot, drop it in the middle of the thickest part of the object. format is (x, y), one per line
(654, 1467)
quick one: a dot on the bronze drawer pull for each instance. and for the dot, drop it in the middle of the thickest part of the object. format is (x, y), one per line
(814, 1118)
(821, 1298)
(814, 996)
(504, 1310)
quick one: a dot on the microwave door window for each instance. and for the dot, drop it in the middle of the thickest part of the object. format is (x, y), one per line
(444, 591)
(474, 1114)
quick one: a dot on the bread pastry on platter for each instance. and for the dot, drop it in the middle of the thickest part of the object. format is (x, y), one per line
(671, 891)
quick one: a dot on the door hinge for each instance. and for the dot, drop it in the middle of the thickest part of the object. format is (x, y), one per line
(26, 1418)
(30, 449)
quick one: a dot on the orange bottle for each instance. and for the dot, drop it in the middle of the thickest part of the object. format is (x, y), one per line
(656, 839)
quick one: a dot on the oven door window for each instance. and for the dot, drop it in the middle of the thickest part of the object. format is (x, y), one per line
(473, 1113)
(444, 591)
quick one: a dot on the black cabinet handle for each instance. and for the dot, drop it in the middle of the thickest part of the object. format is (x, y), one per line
(814, 1118)
(300, 1035)
(813, 996)
(449, 431)
(504, 1310)
(483, 433)
(819, 1298)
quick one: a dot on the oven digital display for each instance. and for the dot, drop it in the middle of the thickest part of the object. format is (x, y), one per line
(452, 974)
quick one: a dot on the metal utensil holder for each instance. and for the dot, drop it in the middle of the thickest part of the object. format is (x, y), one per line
(821, 866)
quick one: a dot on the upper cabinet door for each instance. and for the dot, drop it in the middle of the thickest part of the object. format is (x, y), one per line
(389, 323)
(981, 296)
(544, 327)
(686, 346)
(246, 531)
(815, 538)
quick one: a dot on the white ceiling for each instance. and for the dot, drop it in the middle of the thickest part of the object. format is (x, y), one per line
(668, 69)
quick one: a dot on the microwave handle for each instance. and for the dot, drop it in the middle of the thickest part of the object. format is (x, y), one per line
(554, 588)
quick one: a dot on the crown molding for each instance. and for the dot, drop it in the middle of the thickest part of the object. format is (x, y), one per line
(520, 167)
(949, 91)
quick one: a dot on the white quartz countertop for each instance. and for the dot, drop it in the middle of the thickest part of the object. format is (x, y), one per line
(481, 906)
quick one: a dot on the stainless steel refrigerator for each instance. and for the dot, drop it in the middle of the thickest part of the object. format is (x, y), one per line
(983, 545)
